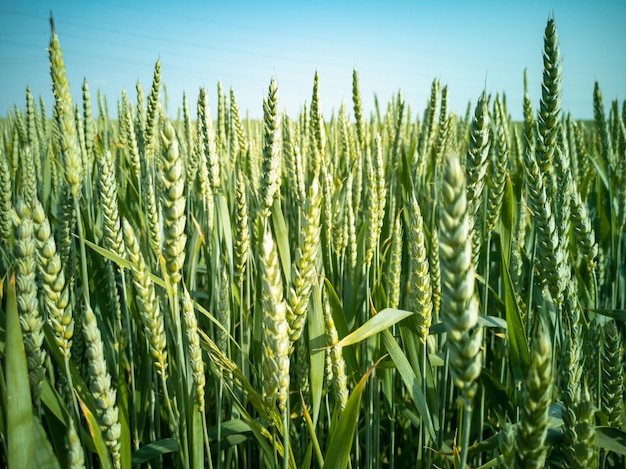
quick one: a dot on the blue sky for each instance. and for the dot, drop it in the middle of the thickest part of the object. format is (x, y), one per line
(394, 45)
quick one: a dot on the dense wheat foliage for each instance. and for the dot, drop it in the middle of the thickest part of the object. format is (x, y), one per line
(343, 290)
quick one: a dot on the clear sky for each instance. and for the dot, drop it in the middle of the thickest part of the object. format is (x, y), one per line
(395, 45)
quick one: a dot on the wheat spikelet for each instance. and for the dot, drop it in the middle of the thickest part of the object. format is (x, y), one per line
(31, 320)
(276, 342)
(304, 269)
(27, 187)
(222, 118)
(548, 120)
(152, 215)
(34, 144)
(104, 394)
(394, 271)
(498, 162)
(337, 363)
(242, 228)
(271, 164)
(236, 133)
(293, 162)
(420, 276)
(427, 130)
(112, 228)
(75, 453)
(548, 255)
(204, 139)
(148, 135)
(207, 133)
(149, 306)
(612, 386)
(88, 122)
(476, 168)
(434, 266)
(583, 232)
(195, 352)
(376, 200)
(55, 292)
(459, 302)
(358, 110)
(173, 205)
(67, 138)
(535, 403)
(133, 149)
(506, 443)
(351, 247)
(601, 125)
(223, 310)
(80, 136)
(6, 203)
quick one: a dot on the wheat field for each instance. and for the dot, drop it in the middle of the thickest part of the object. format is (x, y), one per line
(400, 289)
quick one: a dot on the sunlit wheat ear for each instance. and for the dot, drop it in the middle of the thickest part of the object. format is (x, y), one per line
(103, 393)
(271, 164)
(476, 169)
(376, 200)
(358, 109)
(31, 319)
(612, 381)
(601, 125)
(27, 189)
(421, 290)
(73, 446)
(6, 203)
(89, 123)
(148, 142)
(148, 303)
(548, 252)
(223, 310)
(195, 351)
(583, 232)
(64, 112)
(549, 118)
(173, 205)
(351, 246)
(221, 118)
(242, 228)
(338, 365)
(55, 292)
(133, 149)
(572, 358)
(394, 270)
(34, 139)
(435, 270)
(535, 403)
(459, 307)
(203, 145)
(497, 173)
(581, 435)
(427, 129)
(112, 228)
(506, 443)
(236, 132)
(305, 263)
(293, 161)
(276, 343)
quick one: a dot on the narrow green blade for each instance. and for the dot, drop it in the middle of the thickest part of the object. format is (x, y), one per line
(19, 409)
(377, 323)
